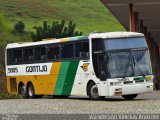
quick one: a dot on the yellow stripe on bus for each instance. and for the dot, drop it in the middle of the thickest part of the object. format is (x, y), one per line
(54, 73)
(64, 40)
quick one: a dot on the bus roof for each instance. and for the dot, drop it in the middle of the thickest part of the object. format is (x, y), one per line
(116, 35)
(92, 35)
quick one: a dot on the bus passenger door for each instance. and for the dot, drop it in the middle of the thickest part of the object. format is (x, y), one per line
(102, 74)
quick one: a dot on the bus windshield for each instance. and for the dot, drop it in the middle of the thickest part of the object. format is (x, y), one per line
(126, 64)
(126, 57)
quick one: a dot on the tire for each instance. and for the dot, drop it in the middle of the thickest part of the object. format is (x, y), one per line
(22, 91)
(30, 91)
(92, 91)
(129, 97)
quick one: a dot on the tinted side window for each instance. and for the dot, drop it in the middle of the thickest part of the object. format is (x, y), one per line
(14, 56)
(77, 49)
(40, 53)
(9, 57)
(28, 54)
(67, 51)
(19, 55)
(53, 53)
(82, 50)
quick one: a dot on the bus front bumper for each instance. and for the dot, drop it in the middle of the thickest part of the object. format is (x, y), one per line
(130, 89)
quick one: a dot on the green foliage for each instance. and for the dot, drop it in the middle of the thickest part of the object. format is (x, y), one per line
(19, 27)
(2, 23)
(1, 20)
(56, 30)
(88, 17)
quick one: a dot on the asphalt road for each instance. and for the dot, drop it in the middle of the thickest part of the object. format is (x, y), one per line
(148, 103)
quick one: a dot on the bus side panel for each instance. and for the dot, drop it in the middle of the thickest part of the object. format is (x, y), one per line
(46, 83)
(54, 73)
(61, 78)
(66, 78)
(83, 75)
(70, 77)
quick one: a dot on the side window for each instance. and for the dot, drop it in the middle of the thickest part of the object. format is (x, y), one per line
(43, 53)
(28, 54)
(53, 53)
(67, 51)
(77, 50)
(17, 56)
(31, 54)
(37, 53)
(40, 53)
(82, 50)
(14, 56)
(9, 57)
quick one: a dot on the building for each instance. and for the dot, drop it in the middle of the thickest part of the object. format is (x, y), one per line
(140, 16)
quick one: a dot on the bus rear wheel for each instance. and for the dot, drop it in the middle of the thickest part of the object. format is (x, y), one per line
(22, 91)
(30, 91)
(129, 97)
(92, 91)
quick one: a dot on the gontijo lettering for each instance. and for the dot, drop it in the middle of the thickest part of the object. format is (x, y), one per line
(37, 68)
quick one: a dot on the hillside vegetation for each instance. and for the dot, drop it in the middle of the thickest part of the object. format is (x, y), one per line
(89, 15)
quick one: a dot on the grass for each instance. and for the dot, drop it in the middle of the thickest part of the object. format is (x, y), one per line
(89, 15)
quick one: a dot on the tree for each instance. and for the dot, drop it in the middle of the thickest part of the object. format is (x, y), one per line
(56, 30)
(19, 27)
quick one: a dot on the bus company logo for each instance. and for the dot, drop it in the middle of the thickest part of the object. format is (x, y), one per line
(85, 67)
(42, 68)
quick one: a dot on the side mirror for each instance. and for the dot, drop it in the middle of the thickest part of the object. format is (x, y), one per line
(103, 76)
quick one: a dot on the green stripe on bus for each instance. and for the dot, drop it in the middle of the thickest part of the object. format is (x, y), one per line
(72, 70)
(61, 78)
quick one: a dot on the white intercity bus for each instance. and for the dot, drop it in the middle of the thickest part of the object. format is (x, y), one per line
(97, 65)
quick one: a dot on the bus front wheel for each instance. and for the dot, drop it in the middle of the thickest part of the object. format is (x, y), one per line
(129, 97)
(30, 91)
(92, 90)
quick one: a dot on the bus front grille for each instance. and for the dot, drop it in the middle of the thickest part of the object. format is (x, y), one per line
(139, 81)
(128, 82)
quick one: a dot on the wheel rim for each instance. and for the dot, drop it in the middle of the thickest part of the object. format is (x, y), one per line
(30, 91)
(94, 91)
(22, 90)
